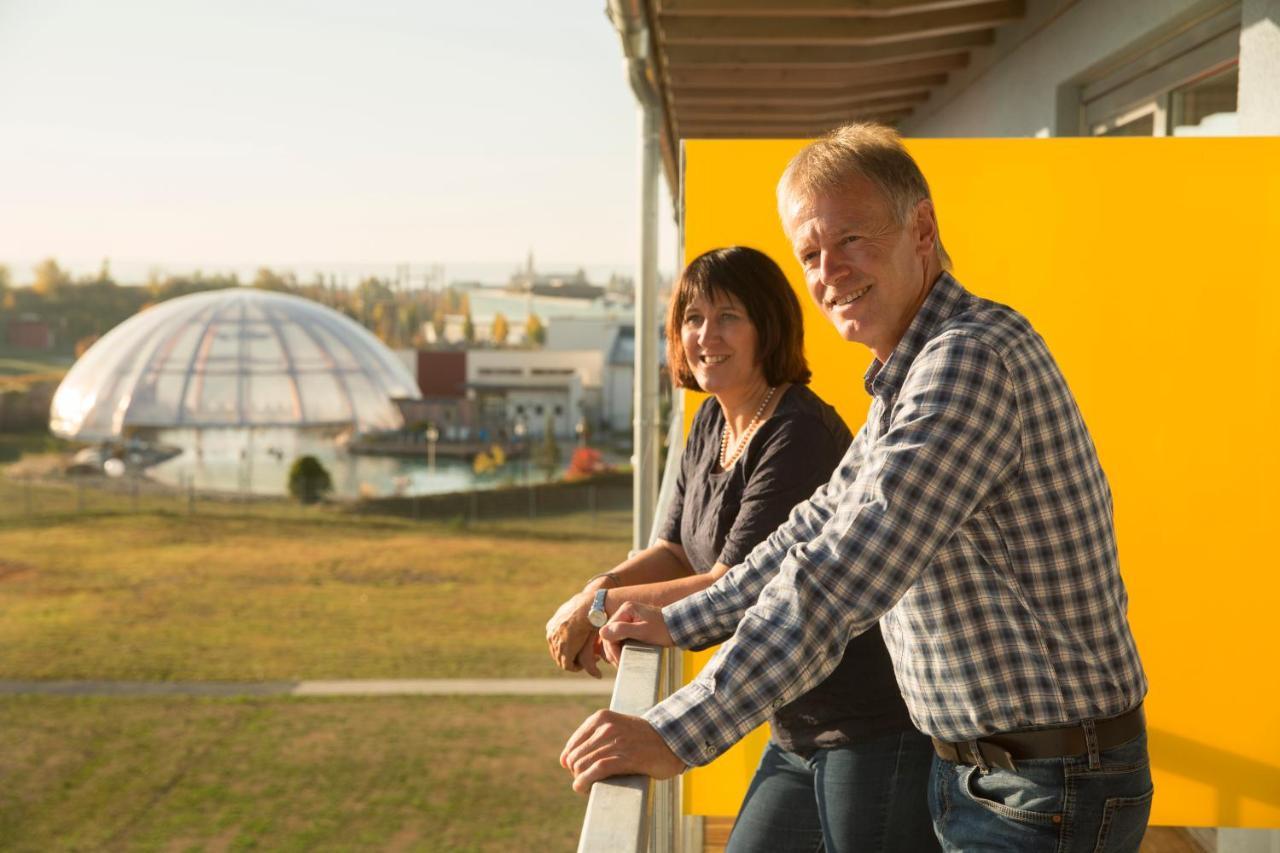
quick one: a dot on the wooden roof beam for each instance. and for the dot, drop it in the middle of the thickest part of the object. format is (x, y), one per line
(727, 30)
(801, 116)
(746, 129)
(809, 8)
(685, 98)
(815, 79)
(820, 56)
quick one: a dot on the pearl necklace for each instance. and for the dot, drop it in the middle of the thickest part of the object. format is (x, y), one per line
(741, 444)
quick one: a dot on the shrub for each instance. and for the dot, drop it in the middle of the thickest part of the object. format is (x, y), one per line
(308, 480)
(585, 462)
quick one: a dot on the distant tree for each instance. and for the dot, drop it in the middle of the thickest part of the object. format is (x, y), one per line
(382, 320)
(172, 286)
(84, 343)
(408, 328)
(468, 329)
(547, 454)
(534, 332)
(308, 480)
(268, 279)
(51, 280)
(370, 292)
(500, 329)
(438, 323)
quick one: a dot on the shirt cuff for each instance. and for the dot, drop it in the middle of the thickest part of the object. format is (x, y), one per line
(676, 720)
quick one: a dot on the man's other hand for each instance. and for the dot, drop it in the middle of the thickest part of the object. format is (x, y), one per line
(612, 744)
(633, 621)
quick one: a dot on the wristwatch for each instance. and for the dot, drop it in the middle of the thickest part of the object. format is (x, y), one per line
(597, 615)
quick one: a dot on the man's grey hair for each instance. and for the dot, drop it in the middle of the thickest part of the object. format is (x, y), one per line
(867, 149)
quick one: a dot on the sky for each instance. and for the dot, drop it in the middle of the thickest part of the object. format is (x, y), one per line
(174, 135)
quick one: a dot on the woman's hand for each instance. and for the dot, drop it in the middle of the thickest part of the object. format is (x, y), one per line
(570, 637)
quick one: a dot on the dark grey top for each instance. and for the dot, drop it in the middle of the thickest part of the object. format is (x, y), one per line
(720, 516)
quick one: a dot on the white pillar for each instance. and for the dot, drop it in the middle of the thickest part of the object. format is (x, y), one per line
(646, 431)
(1259, 99)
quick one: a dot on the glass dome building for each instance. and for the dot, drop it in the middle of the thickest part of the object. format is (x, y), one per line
(232, 358)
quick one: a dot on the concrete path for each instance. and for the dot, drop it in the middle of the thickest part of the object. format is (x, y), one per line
(584, 686)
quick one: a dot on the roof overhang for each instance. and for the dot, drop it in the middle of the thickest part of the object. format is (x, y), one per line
(755, 69)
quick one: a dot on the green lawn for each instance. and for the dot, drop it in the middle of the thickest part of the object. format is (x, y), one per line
(272, 592)
(368, 774)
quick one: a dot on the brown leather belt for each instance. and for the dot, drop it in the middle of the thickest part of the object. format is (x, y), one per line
(1002, 750)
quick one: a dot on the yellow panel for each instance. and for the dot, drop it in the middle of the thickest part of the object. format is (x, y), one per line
(1149, 265)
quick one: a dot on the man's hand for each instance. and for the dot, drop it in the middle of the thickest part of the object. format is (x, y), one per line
(633, 621)
(570, 637)
(612, 744)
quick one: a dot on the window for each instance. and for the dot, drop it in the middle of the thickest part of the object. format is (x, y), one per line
(1206, 107)
(1183, 86)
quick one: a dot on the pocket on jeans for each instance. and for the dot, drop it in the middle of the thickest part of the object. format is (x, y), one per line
(1124, 820)
(1014, 796)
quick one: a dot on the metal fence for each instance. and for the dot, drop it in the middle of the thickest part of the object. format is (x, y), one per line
(86, 495)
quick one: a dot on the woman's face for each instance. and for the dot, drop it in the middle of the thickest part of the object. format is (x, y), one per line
(720, 343)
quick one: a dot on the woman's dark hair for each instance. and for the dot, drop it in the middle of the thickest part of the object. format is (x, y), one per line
(756, 281)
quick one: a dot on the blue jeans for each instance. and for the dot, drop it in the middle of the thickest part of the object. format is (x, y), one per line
(861, 798)
(1094, 803)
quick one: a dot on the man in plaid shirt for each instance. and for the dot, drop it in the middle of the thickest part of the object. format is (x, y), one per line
(970, 517)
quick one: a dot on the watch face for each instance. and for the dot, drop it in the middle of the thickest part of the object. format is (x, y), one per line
(597, 615)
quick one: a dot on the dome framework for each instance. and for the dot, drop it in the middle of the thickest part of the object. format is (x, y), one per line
(236, 357)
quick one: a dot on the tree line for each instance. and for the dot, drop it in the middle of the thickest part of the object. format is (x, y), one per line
(81, 309)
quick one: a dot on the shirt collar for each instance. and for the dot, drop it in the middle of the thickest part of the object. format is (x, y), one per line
(883, 379)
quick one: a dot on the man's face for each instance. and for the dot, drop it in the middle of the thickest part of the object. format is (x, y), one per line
(867, 273)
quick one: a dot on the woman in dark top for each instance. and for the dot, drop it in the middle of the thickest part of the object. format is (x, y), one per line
(845, 770)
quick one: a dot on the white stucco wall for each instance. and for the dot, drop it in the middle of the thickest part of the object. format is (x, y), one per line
(534, 364)
(1260, 68)
(1011, 88)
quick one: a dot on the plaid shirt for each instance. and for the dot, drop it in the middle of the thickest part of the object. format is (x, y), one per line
(970, 516)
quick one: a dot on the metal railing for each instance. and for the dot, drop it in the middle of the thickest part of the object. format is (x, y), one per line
(635, 814)
(620, 809)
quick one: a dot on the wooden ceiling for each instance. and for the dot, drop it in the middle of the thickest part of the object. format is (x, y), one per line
(796, 68)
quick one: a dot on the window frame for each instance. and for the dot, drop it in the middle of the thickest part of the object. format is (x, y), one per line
(1144, 84)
